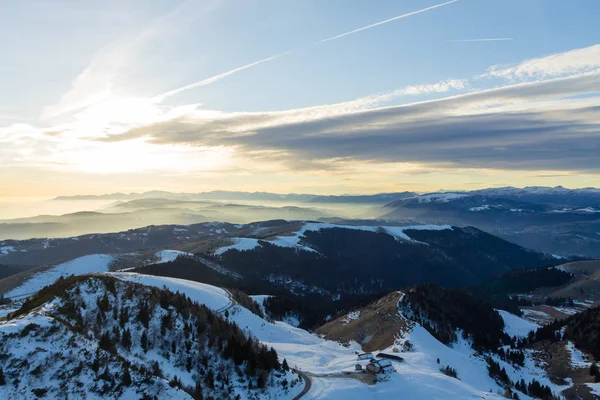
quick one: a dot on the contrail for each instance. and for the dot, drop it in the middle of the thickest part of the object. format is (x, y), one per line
(385, 22)
(220, 76)
(480, 40)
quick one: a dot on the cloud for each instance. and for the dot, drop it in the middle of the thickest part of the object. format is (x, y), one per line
(568, 63)
(225, 74)
(100, 79)
(385, 22)
(218, 77)
(480, 40)
(521, 126)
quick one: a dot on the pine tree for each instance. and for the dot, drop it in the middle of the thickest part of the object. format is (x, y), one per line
(197, 394)
(156, 369)
(126, 380)
(126, 339)
(144, 342)
(104, 304)
(105, 342)
(144, 315)
(285, 365)
(106, 374)
(123, 317)
(2, 378)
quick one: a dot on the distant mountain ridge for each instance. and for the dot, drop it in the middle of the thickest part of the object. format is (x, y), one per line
(540, 194)
(235, 195)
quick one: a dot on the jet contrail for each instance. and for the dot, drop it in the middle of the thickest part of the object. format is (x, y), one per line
(480, 40)
(385, 22)
(220, 76)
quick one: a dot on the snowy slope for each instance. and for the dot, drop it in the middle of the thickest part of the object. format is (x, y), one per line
(240, 244)
(79, 266)
(578, 359)
(516, 326)
(169, 255)
(42, 352)
(418, 377)
(301, 348)
(213, 297)
(294, 240)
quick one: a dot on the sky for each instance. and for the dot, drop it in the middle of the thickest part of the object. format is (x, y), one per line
(311, 96)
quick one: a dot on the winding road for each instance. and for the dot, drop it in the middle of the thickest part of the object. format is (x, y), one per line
(307, 384)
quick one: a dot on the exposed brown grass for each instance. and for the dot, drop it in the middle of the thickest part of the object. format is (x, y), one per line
(377, 327)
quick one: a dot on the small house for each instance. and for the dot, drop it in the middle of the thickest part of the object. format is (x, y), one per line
(379, 366)
(365, 356)
(387, 368)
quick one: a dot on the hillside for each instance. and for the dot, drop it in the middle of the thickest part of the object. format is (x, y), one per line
(437, 332)
(543, 294)
(377, 258)
(555, 225)
(571, 347)
(103, 337)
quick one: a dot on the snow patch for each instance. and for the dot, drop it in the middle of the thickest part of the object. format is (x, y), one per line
(7, 249)
(578, 359)
(294, 240)
(165, 256)
(516, 326)
(240, 244)
(352, 316)
(480, 208)
(440, 197)
(79, 266)
(213, 297)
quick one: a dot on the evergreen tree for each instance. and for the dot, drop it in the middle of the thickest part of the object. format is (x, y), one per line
(126, 380)
(105, 342)
(144, 342)
(123, 317)
(156, 369)
(2, 378)
(197, 393)
(126, 339)
(106, 374)
(144, 315)
(285, 365)
(104, 303)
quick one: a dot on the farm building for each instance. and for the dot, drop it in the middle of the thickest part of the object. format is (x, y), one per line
(380, 366)
(365, 356)
(390, 356)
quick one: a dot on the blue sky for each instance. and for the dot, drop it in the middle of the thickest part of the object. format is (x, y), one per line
(79, 81)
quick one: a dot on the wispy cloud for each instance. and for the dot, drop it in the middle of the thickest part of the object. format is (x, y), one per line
(567, 63)
(535, 126)
(99, 80)
(223, 75)
(385, 22)
(507, 39)
(217, 77)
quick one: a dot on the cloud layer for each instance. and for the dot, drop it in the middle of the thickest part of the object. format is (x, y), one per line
(522, 126)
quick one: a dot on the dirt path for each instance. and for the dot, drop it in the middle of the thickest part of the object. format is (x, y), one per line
(307, 384)
(232, 303)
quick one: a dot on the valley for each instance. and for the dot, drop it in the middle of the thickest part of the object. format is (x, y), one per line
(313, 319)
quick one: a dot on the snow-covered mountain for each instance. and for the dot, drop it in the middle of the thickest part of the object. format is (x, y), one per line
(117, 336)
(127, 335)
